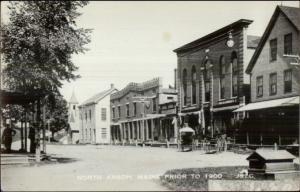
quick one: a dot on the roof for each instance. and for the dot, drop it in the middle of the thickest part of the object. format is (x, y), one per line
(96, 98)
(137, 87)
(206, 39)
(270, 104)
(73, 99)
(252, 41)
(268, 154)
(291, 13)
(168, 90)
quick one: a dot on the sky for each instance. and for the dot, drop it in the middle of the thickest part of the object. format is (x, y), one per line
(134, 41)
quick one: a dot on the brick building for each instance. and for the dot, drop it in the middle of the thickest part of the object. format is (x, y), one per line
(212, 80)
(273, 115)
(135, 112)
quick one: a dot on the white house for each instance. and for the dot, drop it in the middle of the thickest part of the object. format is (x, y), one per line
(73, 118)
(95, 118)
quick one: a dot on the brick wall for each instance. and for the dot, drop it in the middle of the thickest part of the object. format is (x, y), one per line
(196, 57)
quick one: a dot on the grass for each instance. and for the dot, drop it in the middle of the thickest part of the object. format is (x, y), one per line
(196, 179)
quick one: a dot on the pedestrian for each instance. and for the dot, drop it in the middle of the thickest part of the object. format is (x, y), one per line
(7, 135)
(31, 136)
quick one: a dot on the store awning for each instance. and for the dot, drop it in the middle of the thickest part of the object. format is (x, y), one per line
(290, 101)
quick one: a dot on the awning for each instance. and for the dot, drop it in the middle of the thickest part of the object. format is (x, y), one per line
(225, 108)
(290, 101)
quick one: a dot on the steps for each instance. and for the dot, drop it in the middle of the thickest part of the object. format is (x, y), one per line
(13, 159)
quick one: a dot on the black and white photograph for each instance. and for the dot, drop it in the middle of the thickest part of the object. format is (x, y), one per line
(150, 95)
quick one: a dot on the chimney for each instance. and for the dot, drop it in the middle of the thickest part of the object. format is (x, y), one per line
(112, 85)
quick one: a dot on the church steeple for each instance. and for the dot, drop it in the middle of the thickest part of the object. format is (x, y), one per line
(73, 99)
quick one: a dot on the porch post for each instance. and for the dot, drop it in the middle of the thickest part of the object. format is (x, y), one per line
(25, 128)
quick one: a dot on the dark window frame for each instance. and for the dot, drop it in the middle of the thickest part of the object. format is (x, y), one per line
(259, 86)
(184, 84)
(288, 44)
(273, 49)
(127, 110)
(235, 74)
(222, 73)
(288, 83)
(207, 83)
(273, 83)
(194, 80)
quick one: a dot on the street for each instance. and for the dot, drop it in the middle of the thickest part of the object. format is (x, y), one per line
(104, 167)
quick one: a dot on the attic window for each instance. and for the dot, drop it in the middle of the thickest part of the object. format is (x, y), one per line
(273, 50)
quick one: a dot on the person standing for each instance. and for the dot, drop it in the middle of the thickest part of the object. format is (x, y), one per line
(31, 136)
(7, 135)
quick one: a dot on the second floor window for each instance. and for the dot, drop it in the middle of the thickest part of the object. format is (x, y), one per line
(154, 104)
(113, 113)
(193, 85)
(273, 84)
(235, 74)
(273, 50)
(222, 77)
(288, 48)
(259, 86)
(119, 111)
(90, 114)
(288, 81)
(103, 114)
(134, 109)
(206, 81)
(184, 84)
(127, 110)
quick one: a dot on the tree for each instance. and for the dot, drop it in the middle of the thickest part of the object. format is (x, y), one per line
(38, 42)
(58, 113)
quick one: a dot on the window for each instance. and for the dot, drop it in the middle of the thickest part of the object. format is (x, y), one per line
(113, 113)
(154, 104)
(90, 111)
(222, 77)
(273, 50)
(103, 133)
(273, 84)
(193, 85)
(235, 74)
(288, 81)
(184, 83)
(207, 81)
(259, 86)
(119, 111)
(74, 107)
(103, 114)
(85, 116)
(134, 109)
(288, 47)
(127, 110)
(170, 98)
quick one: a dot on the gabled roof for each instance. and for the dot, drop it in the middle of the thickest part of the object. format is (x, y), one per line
(73, 99)
(208, 38)
(271, 154)
(96, 98)
(291, 13)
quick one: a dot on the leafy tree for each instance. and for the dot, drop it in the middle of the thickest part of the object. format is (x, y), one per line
(38, 42)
